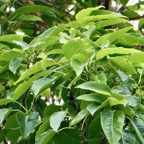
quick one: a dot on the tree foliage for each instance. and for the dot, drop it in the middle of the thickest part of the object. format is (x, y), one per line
(77, 82)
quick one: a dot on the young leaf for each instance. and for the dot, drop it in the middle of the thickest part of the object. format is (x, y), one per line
(112, 124)
(56, 119)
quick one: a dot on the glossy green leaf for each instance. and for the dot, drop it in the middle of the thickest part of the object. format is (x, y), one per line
(56, 119)
(81, 115)
(45, 137)
(27, 123)
(96, 87)
(112, 124)
(14, 64)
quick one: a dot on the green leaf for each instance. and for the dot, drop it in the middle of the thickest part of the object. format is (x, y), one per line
(92, 108)
(128, 137)
(109, 22)
(45, 137)
(124, 2)
(96, 87)
(14, 64)
(39, 66)
(81, 115)
(77, 66)
(111, 37)
(130, 40)
(56, 119)
(42, 83)
(112, 124)
(93, 97)
(9, 38)
(67, 136)
(27, 123)
(73, 47)
(140, 126)
(95, 131)
(123, 64)
(30, 9)
(111, 51)
(23, 45)
(23, 87)
(3, 114)
(43, 127)
(5, 101)
(86, 12)
(11, 54)
(29, 18)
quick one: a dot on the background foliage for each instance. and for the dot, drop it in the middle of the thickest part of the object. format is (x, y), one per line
(71, 72)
